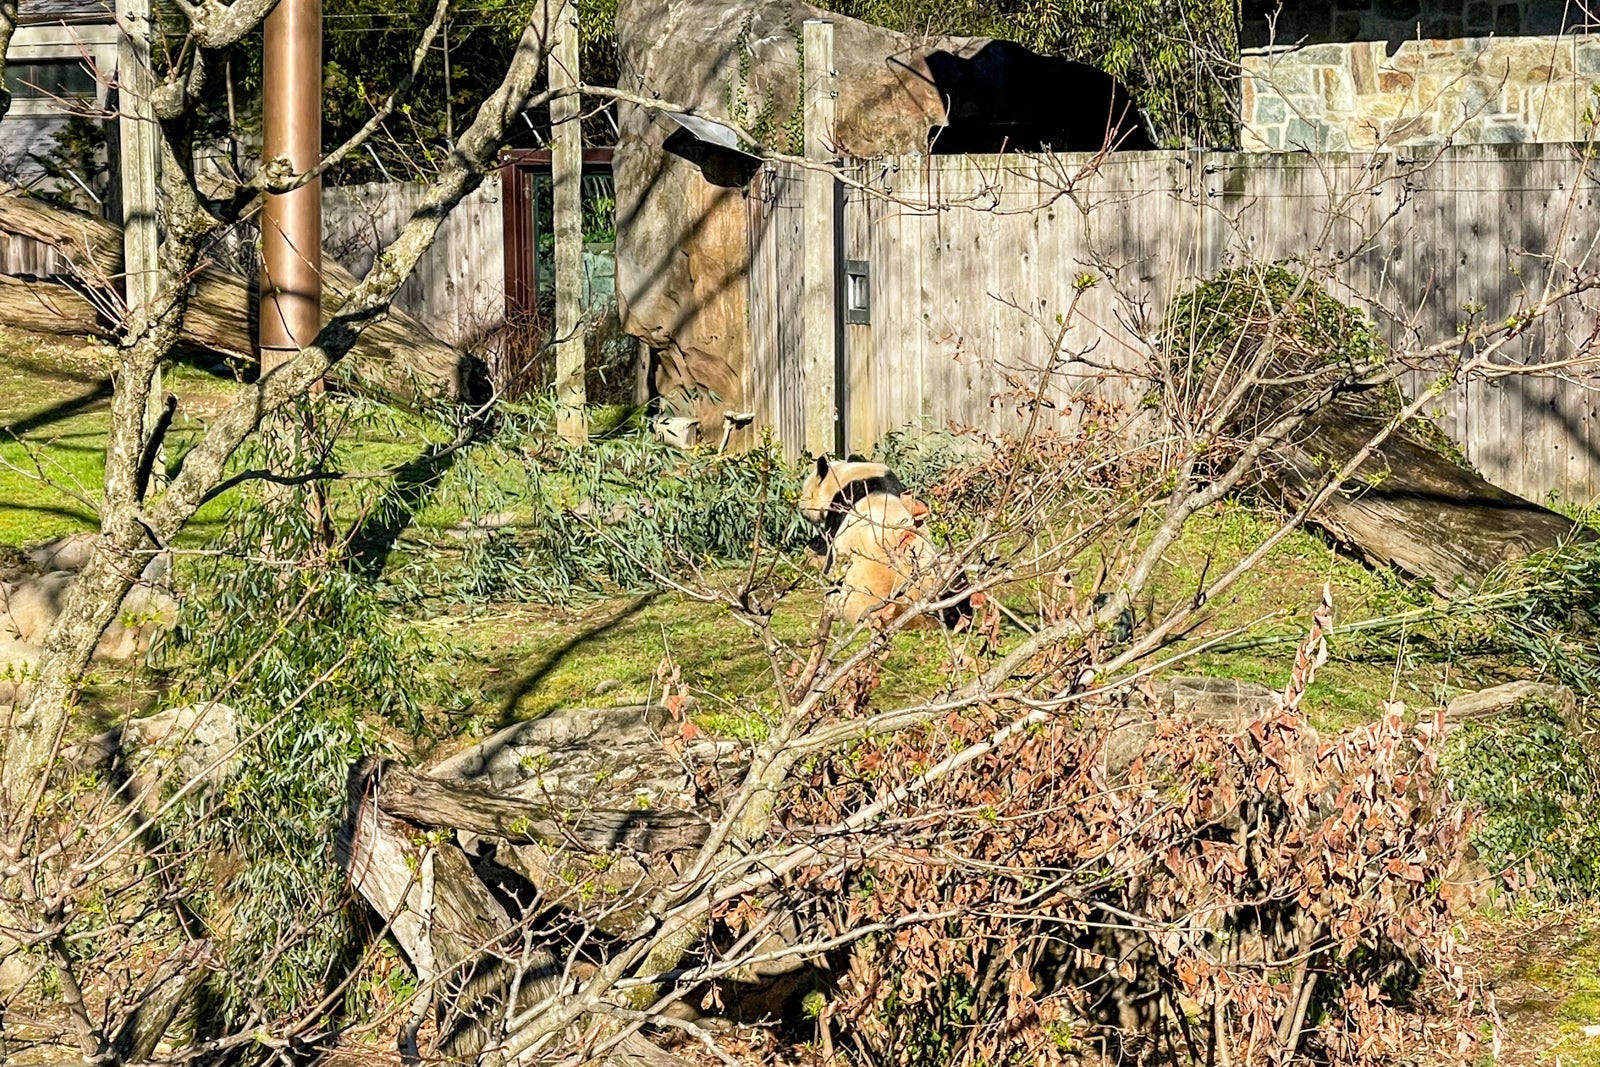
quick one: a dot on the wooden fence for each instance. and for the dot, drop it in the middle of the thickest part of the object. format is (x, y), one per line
(458, 288)
(972, 257)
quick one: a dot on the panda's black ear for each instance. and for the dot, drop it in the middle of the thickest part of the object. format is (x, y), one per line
(822, 466)
(857, 457)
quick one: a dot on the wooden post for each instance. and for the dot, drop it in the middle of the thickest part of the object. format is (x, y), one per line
(819, 317)
(140, 159)
(566, 167)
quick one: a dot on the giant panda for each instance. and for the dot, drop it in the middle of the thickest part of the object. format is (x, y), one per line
(874, 528)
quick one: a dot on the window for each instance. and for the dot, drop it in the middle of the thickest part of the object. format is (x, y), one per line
(45, 79)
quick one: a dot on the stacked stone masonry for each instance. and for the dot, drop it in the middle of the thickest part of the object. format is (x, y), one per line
(1364, 95)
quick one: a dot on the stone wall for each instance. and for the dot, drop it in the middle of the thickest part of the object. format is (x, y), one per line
(1362, 95)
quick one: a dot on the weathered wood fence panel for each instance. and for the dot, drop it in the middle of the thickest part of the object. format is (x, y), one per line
(777, 258)
(972, 258)
(22, 256)
(458, 288)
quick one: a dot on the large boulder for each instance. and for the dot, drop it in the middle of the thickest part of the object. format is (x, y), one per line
(683, 240)
(30, 603)
(69, 553)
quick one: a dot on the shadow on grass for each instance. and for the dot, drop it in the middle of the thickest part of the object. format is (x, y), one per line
(58, 412)
(373, 541)
(555, 656)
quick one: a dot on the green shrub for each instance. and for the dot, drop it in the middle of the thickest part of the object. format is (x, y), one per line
(312, 662)
(1537, 793)
(1206, 324)
(609, 517)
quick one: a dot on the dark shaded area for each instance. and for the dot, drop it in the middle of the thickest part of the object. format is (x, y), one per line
(1007, 98)
(60, 412)
(473, 380)
(373, 541)
(1272, 22)
(552, 659)
(722, 166)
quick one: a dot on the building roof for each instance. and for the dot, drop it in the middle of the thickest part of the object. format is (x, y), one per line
(70, 12)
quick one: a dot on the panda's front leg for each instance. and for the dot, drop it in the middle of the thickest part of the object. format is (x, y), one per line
(819, 553)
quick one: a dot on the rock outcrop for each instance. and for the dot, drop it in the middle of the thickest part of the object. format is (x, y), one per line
(683, 240)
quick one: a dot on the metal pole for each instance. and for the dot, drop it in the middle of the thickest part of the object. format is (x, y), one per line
(291, 223)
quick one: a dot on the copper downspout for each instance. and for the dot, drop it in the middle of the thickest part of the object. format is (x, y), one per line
(291, 223)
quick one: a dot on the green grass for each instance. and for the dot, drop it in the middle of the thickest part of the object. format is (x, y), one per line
(53, 401)
(55, 414)
(54, 417)
(528, 660)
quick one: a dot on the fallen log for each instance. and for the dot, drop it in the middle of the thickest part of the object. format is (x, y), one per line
(1413, 503)
(397, 356)
(91, 245)
(474, 970)
(1412, 507)
(43, 306)
(429, 802)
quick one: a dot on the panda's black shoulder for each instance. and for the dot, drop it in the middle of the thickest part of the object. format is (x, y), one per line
(861, 488)
(887, 482)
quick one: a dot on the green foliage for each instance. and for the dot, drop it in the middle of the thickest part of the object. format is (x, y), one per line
(929, 1033)
(1538, 796)
(760, 117)
(600, 219)
(1207, 323)
(310, 659)
(611, 516)
(1176, 57)
(1541, 612)
(367, 52)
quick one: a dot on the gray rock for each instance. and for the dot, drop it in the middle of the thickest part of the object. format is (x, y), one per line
(172, 747)
(28, 608)
(683, 242)
(15, 968)
(19, 661)
(69, 553)
(185, 743)
(1226, 700)
(1500, 699)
